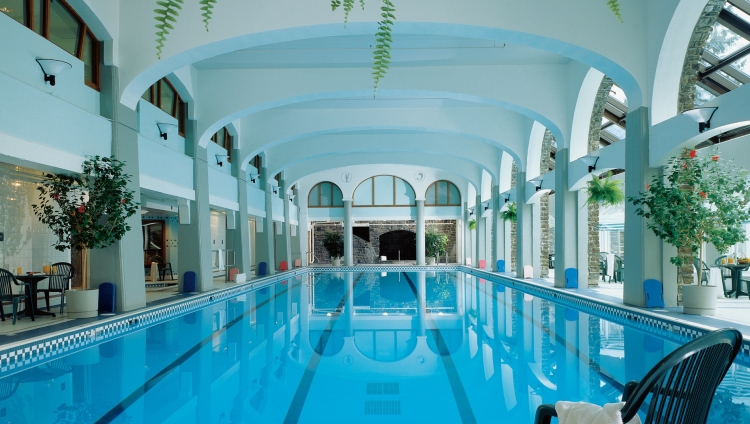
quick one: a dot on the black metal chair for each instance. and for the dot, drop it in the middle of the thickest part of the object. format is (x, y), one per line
(603, 264)
(164, 270)
(619, 271)
(7, 283)
(58, 282)
(681, 385)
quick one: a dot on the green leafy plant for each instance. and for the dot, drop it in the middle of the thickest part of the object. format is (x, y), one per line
(87, 211)
(435, 243)
(510, 213)
(473, 224)
(704, 200)
(614, 6)
(166, 13)
(207, 7)
(334, 244)
(605, 192)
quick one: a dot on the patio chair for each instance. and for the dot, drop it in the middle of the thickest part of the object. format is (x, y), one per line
(725, 273)
(500, 265)
(706, 271)
(7, 283)
(571, 278)
(681, 386)
(166, 269)
(603, 263)
(58, 282)
(262, 268)
(619, 271)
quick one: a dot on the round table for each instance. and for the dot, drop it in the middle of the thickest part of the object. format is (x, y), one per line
(31, 300)
(736, 270)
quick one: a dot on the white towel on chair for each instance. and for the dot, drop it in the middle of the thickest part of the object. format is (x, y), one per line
(587, 413)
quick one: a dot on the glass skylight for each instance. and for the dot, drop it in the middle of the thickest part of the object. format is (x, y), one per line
(616, 131)
(722, 42)
(618, 94)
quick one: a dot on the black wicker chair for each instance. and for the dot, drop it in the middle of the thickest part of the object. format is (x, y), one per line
(58, 282)
(682, 385)
(7, 283)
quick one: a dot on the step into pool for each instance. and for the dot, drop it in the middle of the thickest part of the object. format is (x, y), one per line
(360, 347)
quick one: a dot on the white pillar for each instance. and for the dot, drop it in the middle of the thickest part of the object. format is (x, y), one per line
(420, 233)
(498, 229)
(480, 232)
(642, 248)
(536, 237)
(302, 227)
(467, 236)
(523, 226)
(348, 234)
(566, 223)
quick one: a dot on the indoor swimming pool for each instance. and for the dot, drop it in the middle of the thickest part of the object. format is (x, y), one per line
(363, 346)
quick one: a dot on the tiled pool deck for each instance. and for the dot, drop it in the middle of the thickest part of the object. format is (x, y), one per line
(730, 312)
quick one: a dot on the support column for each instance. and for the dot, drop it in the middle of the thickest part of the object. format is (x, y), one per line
(283, 240)
(241, 231)
(121, 262)
(348, 235)
(194, 249)
(294, 232)
(566, 221)
(642, 248)
(523, 226)
(264, 239)
(498, 229)
(302, 232)
(536, 237)
(467, 236)
(420, 233)
(480, 232)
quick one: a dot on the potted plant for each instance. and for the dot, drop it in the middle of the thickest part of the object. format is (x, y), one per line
(86, 211)
(701, 199)
(334, 245)
(605, 192)
(509, 214)
(435, 244)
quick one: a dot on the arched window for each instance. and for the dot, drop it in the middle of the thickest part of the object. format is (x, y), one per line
(384, 190)
(224, 139)
(57, 22)
(442, 193)
(325, 195)
(165, 97)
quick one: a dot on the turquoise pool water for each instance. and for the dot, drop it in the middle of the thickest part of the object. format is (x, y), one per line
(435, 347)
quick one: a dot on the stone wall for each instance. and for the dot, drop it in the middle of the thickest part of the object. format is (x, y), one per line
(368, 252)
(545, 165)
(595, 128)
(691, 65)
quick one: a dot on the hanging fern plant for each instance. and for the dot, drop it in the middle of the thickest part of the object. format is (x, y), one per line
(207, 10)
(473, 224)
(606, 192)
(614, 6)
(164, 15)
(509, 214)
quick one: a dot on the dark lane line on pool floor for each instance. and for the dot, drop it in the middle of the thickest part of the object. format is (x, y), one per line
(300, 395)
(121, 407)
(457, 387)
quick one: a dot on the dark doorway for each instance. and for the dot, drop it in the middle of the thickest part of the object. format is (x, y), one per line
(400, 240)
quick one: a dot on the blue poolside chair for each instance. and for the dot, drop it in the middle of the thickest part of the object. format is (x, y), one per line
(189, 282)
(654, 294)
(262, 268)
(501, 266)
(571, 278)
(107, 298)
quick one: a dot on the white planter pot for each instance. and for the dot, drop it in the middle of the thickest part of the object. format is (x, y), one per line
(699, 300)
(430, 260)
(336, 261)
(82, 303)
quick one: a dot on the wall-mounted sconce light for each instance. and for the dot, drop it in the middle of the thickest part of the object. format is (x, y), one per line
(253, 177)
(52, 68)
(537, 182)
(485, 206)
(275, 188)
(506, 197)
(471, 211)
(291, 197)
(590, 161)
(165, 129)
(702, 116)
(220, 159)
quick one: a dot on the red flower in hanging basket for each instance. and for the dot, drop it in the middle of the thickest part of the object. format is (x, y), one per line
(703, 194)
(715, 158)
(56, 196)
(81, 209)
(684, 166)
(693, 153)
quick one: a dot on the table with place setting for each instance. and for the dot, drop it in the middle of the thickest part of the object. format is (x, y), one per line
(736, 270)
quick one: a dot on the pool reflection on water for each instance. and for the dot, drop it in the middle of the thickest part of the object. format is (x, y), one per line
(395, 347)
